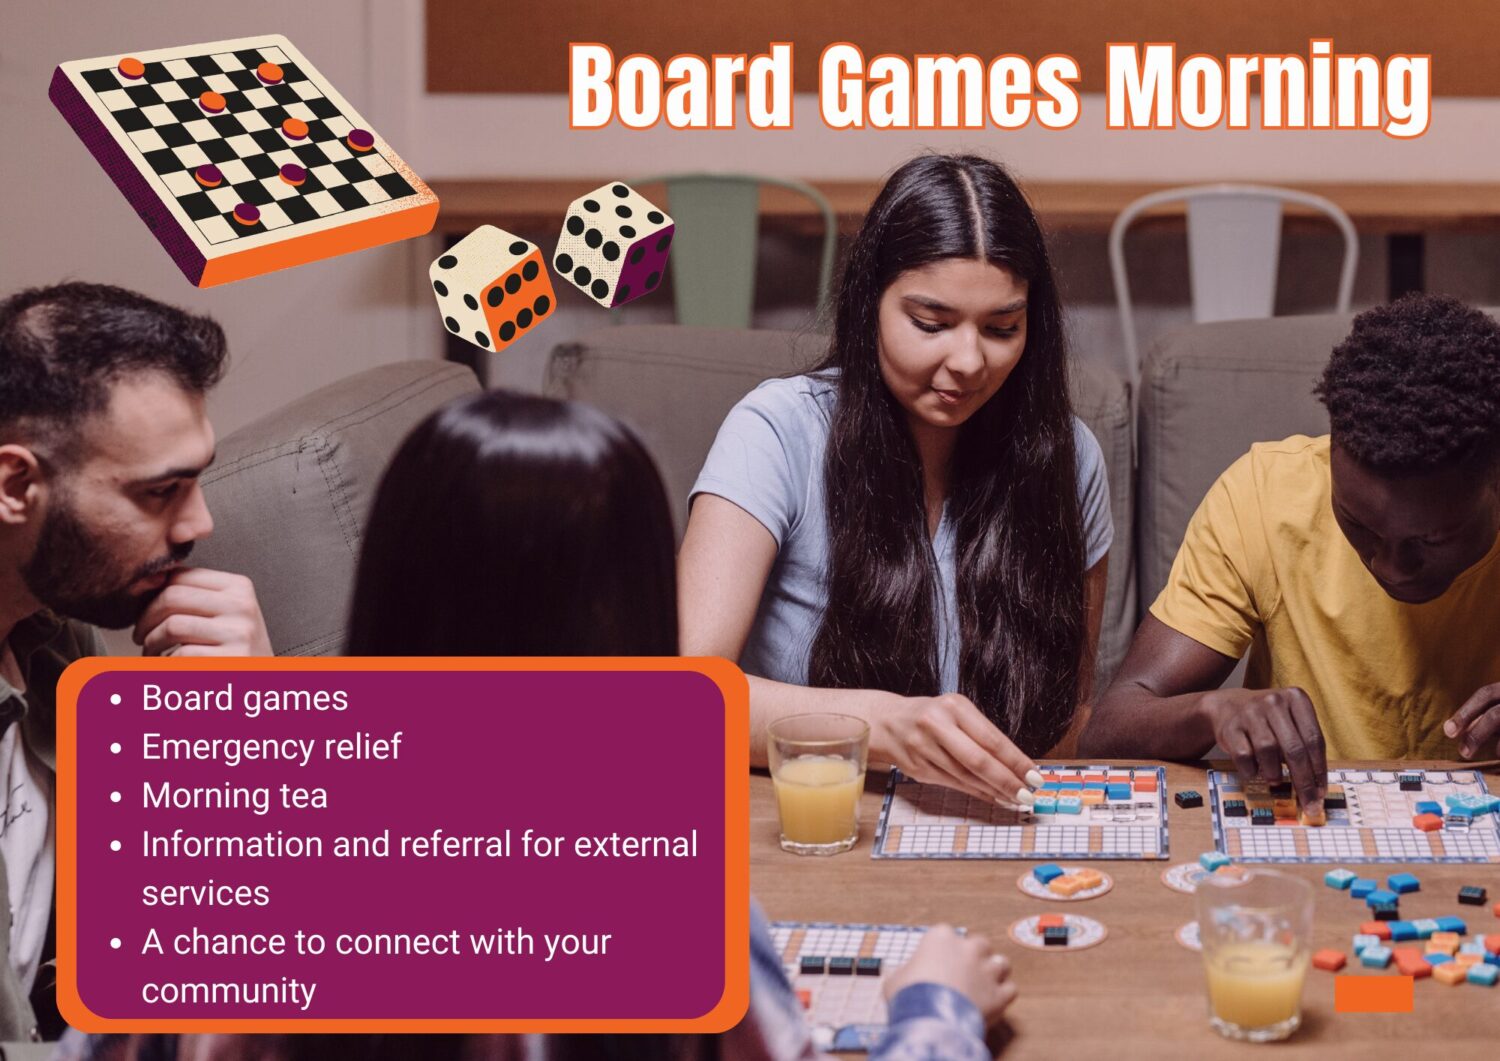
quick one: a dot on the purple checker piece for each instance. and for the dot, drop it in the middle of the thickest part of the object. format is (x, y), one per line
(208, 175)
(293, 173)
(247, 213)
(361, 139)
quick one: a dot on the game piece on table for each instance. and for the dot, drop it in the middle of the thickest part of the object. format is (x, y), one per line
(1376, 957)
(1472, 895)
(212, 102)
(1262, 816)
(1492, 942)
(1076, 933)
(1213, 860)
(1427, 806)
(208, 175)
(1362, 887)
(844, 1011)
(1426, 927)
(1188, 799)
(1066, 885)
(1047, 873)
(491, 287)
(1450, 973)
(1050, 921)
(360, 139)
(1410, 962)
(1055, 936)
(1044, 805)
(867, 966)
(1338, 878)
(269, 73)
(814, 963)
(1443, 943)
(141, 119)
(295, 129)
(920, 821)
(1380, 895)
(293, 174)
(1470, 952)
(247, 214)
(1410, 782)
(1235, 808)
(1496, 909)
(804, 998)
(1330, 960)
(1336, 799)
(841, 966)
(1403, 931)
(1403, 883)
(1090, 878)
(1363, 940)
(1456, 925)
(614, 244)
(1484, 975)
(1381, 929)
(1386, 912)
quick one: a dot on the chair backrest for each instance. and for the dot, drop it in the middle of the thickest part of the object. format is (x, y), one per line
(714, 247)
(1234, 241)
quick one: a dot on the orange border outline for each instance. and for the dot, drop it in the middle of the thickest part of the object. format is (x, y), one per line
(732, 685)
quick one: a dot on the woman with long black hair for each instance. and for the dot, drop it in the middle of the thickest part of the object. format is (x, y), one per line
(916, 532)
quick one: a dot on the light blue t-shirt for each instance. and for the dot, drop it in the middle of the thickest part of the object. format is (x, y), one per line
(768, 460)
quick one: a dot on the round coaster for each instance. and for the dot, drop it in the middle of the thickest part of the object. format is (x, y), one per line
(1184, 877)
(1028, 883)
(1187, 935)
(1084, 932)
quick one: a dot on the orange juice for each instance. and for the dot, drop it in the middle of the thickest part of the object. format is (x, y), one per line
(818, 796)
(1256, 984)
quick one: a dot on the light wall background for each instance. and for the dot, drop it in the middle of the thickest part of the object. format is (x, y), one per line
(291, 332)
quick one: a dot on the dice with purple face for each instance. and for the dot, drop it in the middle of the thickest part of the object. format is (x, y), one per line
(614, 245)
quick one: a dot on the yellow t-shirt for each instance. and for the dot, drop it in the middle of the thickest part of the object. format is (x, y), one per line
(1264, 566)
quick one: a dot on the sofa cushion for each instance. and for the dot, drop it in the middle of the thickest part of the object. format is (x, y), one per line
(674, 385)
(290, 492)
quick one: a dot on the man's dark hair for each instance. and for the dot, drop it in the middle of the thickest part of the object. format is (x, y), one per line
(1416, 387)
(63, 347)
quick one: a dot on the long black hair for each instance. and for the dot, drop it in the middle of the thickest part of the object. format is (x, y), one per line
(515, 525)
(1013, 482)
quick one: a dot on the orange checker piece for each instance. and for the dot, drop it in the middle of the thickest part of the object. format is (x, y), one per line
(517, 299)
(1051, 921)
(1330, 960)
(1428, 823)
(1410, 962)
(1379, 929)
(1450, 973)
(1067, 885)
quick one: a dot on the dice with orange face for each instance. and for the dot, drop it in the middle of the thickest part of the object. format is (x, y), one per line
(492, 287)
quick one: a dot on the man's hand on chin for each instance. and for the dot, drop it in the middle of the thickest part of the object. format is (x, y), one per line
(203, 613)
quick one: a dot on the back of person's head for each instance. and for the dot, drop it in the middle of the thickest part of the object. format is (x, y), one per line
(1415, 388)
(62, 349)
(509, 524)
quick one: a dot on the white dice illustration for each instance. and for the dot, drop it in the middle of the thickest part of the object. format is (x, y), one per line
(491, 287)
(614, 245)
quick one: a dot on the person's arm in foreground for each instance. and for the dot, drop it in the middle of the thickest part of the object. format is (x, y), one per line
(722, 568)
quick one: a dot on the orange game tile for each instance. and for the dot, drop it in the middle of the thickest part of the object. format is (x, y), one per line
(1443, 943)
(1066, 885)
(1410, 962)
(1428, 823)
(1051, 921)
(1330, 960)
(804, 996)
(1450, 973)
(1148, 784)
(1467, 960)
(1492, 942)
(1381, 929)
(1092, 797)
(1091, 878)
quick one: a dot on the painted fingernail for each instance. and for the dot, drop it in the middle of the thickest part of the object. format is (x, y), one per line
(1025, 798)
(1034, 778)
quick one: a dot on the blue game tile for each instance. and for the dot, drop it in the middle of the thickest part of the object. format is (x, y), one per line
(1362, 887)
(1453, 924)
(1380, 897)
(1047, 873)
(1403, 931)
(1377, 957)
(1338, 878)
(1403, 883)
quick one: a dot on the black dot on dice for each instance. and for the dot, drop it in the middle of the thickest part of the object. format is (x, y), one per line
(512, 284)
(482, 339)
(447, 261)
(507, 332)
(451, 323)
(628, 231)
(636, 255)
(600, 289)
(518, 247)
(623, 211)
(496, 296)
(471, 302)
(593, 237)
(591, 206)
(529, 271)
(523, 319)
(564, 263)
(440, 287)
(656, 217)
(541, 305)
(575, 224)
(665, 242)
(620, 190)
(652, 281)
(582, 276)
(611, 251)
(623, 293)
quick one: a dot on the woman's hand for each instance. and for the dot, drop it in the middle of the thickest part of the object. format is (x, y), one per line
(946, 740)
(967, 964)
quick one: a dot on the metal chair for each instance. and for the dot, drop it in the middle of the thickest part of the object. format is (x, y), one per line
(714, 248)
(1234, 240)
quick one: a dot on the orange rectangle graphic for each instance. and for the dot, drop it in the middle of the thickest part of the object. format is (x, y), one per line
(1373, 994)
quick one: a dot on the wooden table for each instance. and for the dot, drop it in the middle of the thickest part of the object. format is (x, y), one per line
(1139, 994)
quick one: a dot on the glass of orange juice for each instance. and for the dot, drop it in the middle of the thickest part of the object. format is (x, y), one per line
(818, 770)
(1256, 930)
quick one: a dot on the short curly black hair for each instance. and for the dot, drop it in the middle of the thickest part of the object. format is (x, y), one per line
(1415, 387)
(63, 347)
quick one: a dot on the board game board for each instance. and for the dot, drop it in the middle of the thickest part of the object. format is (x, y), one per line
(1374, 824)
(240, 156)
(1121, 814)
(838, 972)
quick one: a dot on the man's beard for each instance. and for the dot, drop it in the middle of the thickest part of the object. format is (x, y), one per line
(75, 574)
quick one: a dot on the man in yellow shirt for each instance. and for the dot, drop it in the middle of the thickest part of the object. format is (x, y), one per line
(1358, 569)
